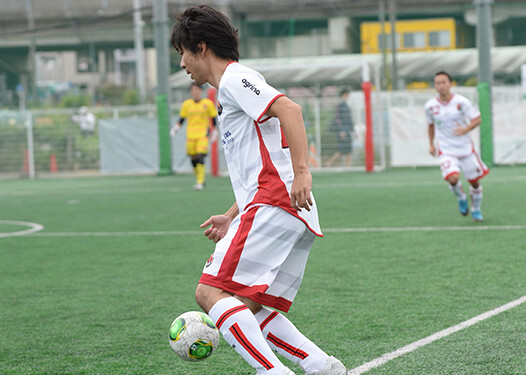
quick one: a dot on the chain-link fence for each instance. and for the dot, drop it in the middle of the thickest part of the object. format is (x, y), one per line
(50, 142)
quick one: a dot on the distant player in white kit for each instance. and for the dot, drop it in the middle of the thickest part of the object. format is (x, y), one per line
(264, 239)
(450, 118)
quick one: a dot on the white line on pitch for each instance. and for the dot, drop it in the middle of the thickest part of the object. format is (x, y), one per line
(436, 336)
(425, 229)
(328, 230)
(118, 234)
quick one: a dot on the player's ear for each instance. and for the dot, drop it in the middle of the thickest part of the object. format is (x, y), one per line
(202, 49)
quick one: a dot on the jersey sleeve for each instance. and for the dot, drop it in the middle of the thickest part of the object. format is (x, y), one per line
(211, 110)
(251, 93)
(429, 115)
(469, 110)
(183, 113)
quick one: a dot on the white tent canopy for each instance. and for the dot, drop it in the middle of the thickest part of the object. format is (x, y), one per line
(342, 69)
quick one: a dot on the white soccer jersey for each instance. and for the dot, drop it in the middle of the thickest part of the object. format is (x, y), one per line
(446, 116)
(256, 151)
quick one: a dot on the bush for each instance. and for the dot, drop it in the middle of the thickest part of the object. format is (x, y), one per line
(130, 97)
(71, 100)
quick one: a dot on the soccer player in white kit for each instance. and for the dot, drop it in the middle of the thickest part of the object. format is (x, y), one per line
(450, 118)
(263, 240)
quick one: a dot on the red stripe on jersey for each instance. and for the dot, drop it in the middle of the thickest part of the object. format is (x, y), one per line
(251, 349)
(227, 314)
(268, 106)
(284, 143)
(271, 188)
(296, 352)
(268, 319)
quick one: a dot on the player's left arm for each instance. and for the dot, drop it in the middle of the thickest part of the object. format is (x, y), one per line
(291, 120)
(473, 115)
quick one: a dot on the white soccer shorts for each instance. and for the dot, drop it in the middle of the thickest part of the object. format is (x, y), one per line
(473, 168)
(262, 257)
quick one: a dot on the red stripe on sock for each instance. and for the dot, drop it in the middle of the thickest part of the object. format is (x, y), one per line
(268, 319)
(287, 347)
(227, 314)
(242, 339)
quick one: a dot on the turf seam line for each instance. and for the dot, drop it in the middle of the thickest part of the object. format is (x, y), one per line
(328, 230)
(434, 337)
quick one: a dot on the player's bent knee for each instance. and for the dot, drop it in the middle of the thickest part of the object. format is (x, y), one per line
(453, 179)
(206, 296)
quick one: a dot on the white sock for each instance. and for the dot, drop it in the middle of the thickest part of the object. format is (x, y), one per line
(458, 190)
(285, 339)
(476, 197)
(241, 330)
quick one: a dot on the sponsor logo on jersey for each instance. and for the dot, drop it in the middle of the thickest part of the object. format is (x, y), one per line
(209, 261)
(219, 109)
(459, 106)
(250, 86)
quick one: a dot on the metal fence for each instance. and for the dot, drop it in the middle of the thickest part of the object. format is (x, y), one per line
(49, 142)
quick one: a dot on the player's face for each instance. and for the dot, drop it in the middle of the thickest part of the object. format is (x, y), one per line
(442, 84)
(193, 64)
(196, 92)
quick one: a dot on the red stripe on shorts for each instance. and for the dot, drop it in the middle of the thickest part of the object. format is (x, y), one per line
(233, 254)
(227, 314)
(242, 339)
(287, 347)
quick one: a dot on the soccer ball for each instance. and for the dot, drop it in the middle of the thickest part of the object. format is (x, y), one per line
(193, 336)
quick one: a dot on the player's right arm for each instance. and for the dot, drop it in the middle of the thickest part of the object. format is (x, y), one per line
(430, 128)
(431, 134)
(218, 224)
(182, 116)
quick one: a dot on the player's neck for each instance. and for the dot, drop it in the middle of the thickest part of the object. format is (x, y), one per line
(217, 69)
(445, 98)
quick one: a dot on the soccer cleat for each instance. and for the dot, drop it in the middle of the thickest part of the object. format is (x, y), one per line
(333, 367)
(199, 187)
(463, 206)
(477, 215)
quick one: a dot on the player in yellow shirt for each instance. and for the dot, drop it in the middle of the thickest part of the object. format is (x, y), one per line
(198, 111)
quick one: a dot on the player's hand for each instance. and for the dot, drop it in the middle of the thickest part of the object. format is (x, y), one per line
(175, 129)
(214, 135)
(217, 227)
(432, 150)
(300, 193)
(460, 130)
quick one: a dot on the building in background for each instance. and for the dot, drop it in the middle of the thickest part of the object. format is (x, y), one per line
(83, 38)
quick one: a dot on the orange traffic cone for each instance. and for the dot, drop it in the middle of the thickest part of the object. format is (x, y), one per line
(53, 163)
(312, 155)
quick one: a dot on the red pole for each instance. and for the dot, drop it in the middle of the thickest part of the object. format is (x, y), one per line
(214, 155)
(369, 146)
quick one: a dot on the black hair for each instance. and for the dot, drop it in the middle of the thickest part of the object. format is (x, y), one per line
(206, 24)
(443, 72)
(344, 91)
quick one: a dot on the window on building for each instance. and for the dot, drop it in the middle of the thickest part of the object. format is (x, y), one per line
(439, 39)
(388, 40)
(415, 40)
